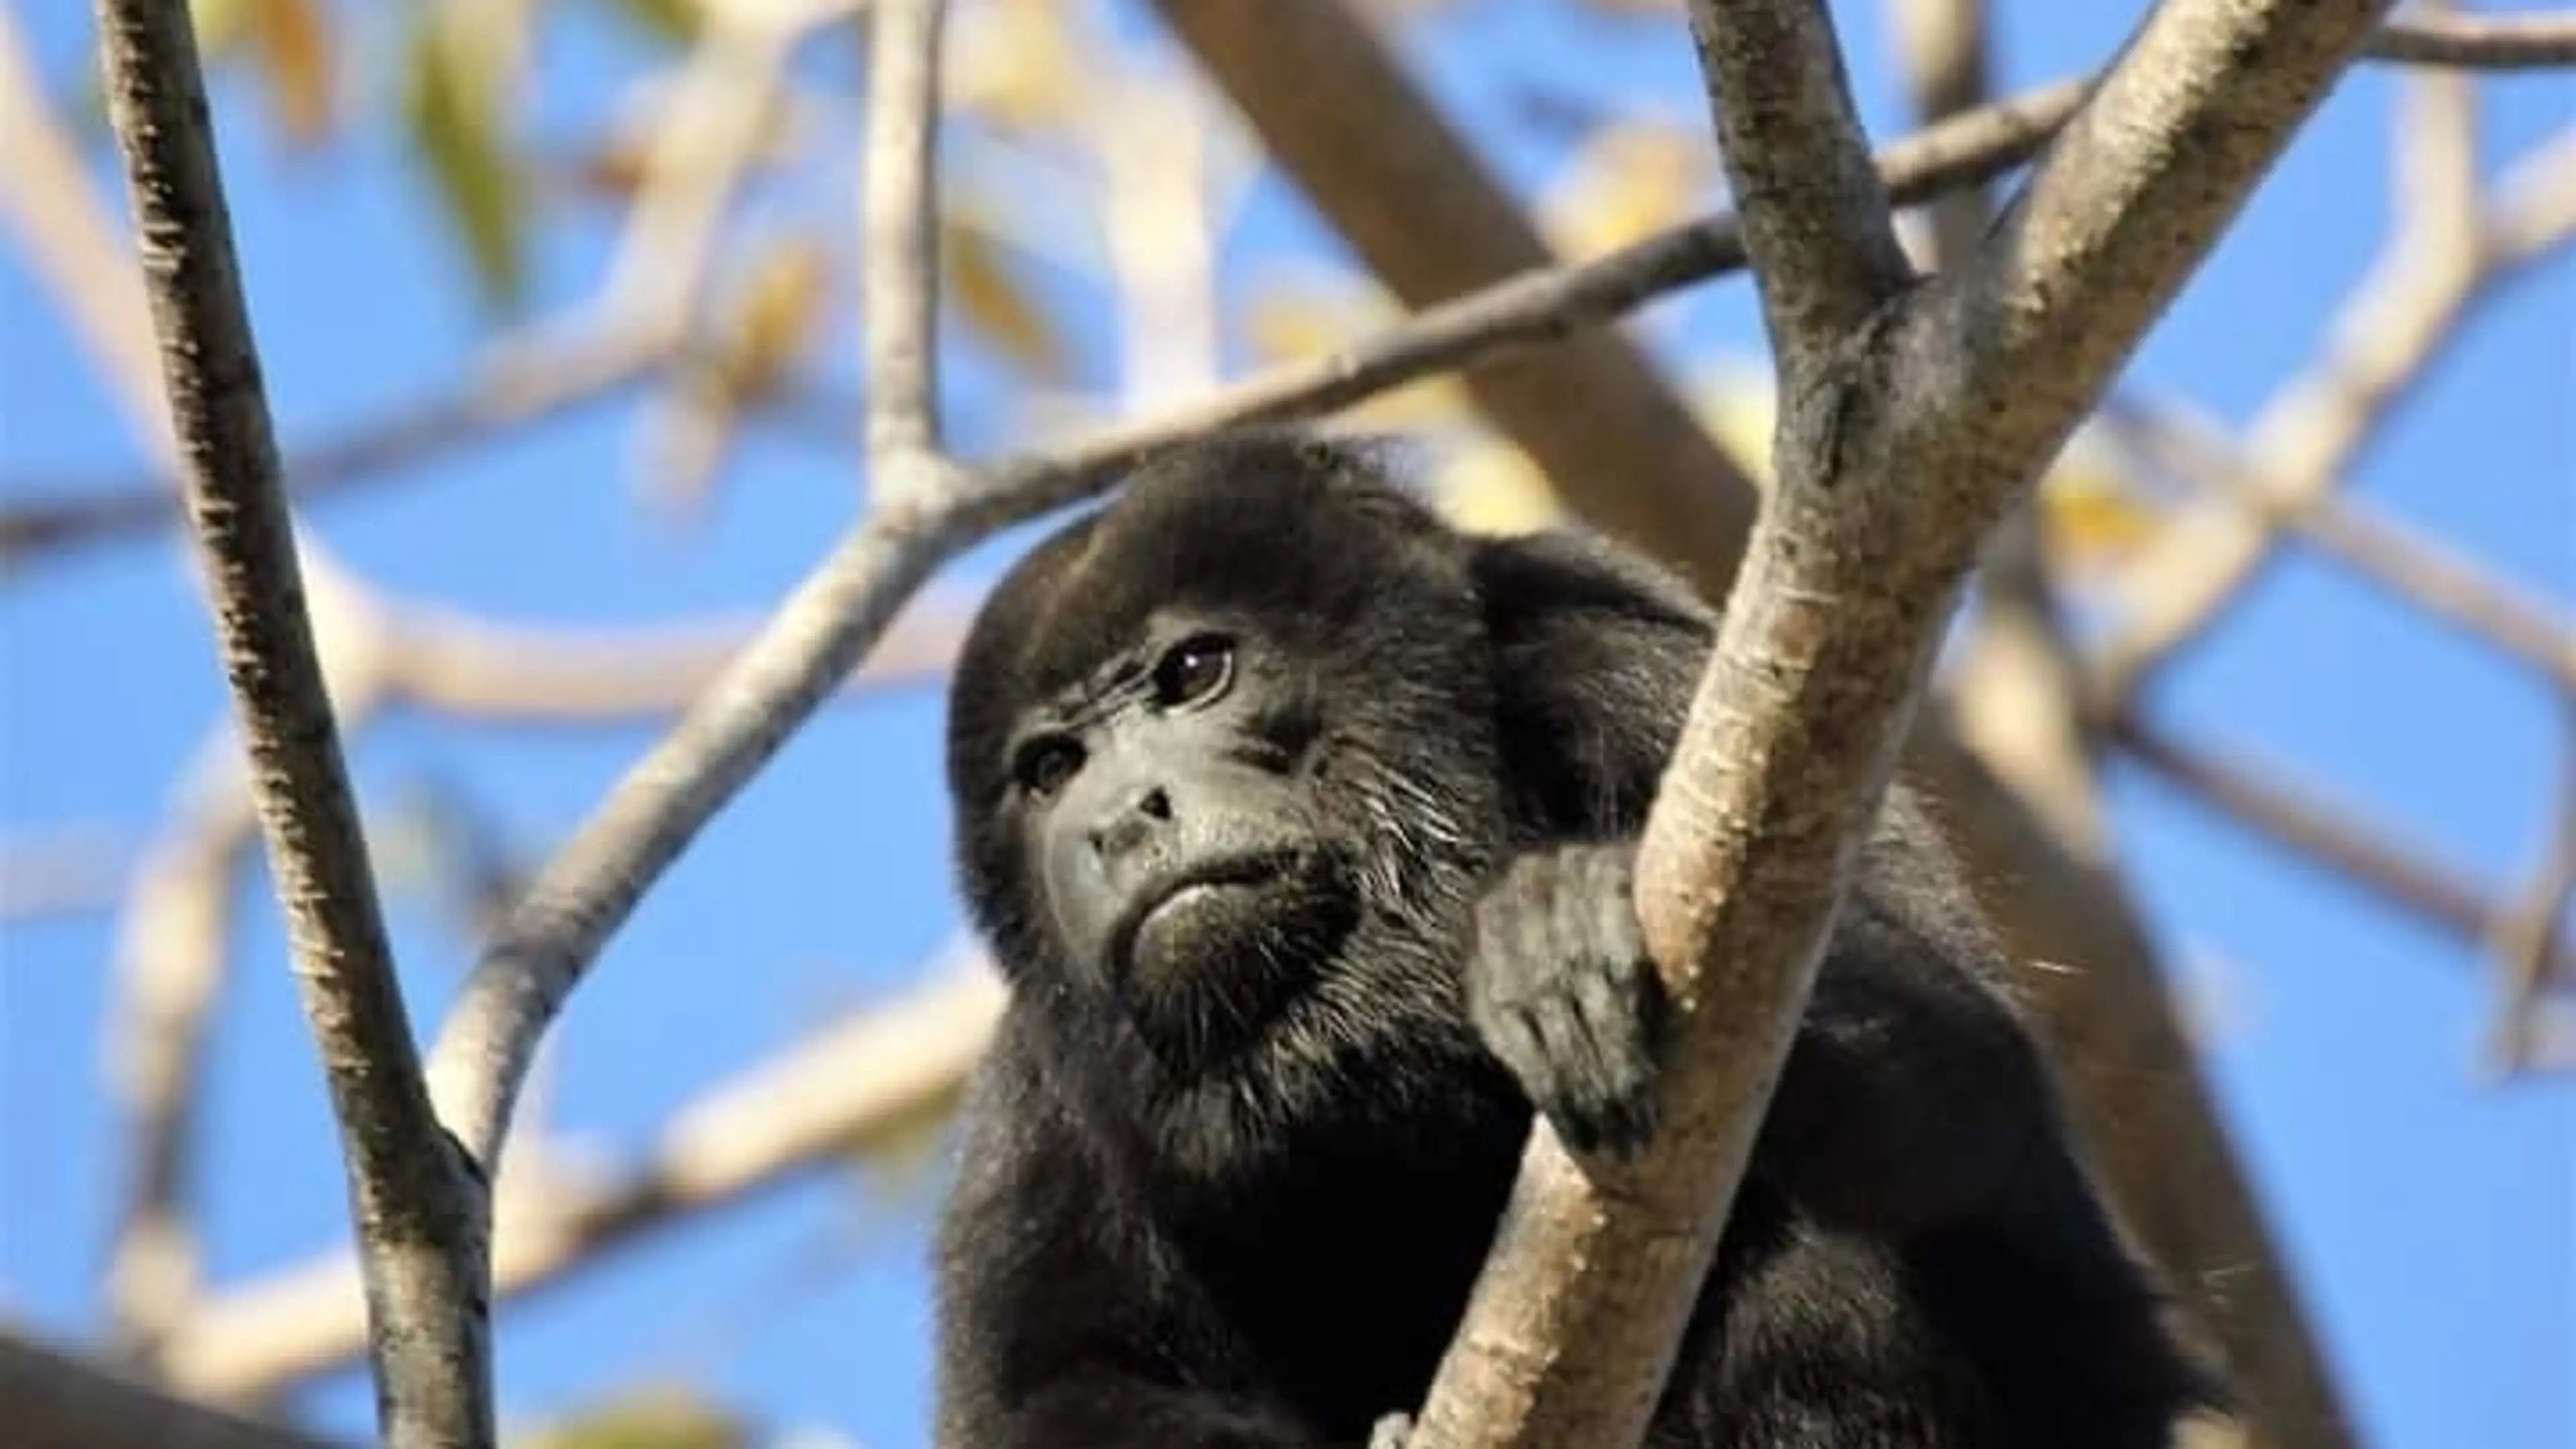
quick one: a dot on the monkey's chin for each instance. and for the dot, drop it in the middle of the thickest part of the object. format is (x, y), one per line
(1214, 963)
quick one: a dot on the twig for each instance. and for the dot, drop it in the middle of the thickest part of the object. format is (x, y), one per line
(2299, 820)
(417, 1209)
(2303, 444)
(590, 884)
(1524, 311)
(896, 228)
(871, 1075)
(2483, 42)
(2526, 935)
(2431, 577)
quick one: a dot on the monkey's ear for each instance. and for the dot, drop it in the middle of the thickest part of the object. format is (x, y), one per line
(1595, 655)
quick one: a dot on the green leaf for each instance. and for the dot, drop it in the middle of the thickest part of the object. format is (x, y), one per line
(452, 107)
(673, 22)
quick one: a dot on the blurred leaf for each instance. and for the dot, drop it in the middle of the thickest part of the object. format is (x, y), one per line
(1628, 179)
(672, 22)
(293, 41)
(655, 1418)
(452, 106)
(221, 26)
(2089, 515)
(1489, 486)
(987, 294)
(769, 317)
(1014, 64)
(1302, 318)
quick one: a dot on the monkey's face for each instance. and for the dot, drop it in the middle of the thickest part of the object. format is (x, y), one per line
(1230, 787)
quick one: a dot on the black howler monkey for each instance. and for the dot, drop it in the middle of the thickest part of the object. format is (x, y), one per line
(1301, 827)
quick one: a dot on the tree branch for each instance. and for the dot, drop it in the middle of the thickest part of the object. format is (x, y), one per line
(871, 1075)
(418, 1209)
(1815, 217)
(898, 206)
(2484, 42)
(2296, 818)
(1923, 427)
(819, 635)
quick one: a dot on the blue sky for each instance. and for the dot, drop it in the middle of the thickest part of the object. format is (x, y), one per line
(2428, 1213)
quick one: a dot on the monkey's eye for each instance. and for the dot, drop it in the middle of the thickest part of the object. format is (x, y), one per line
(1043, 765)
(1197, 668)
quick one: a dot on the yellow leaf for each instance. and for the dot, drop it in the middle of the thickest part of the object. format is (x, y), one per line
(988, 295)
(294, 43)
(1014, 63)
(452, 104)
(2091, 517)
(651, 1418)
(674, 22)
(771, 314)
(1629, 179)
(1300, 319)
(1487, 486)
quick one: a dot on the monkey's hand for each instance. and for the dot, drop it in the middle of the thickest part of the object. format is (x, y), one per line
(1561, 990)
(1394, 1431)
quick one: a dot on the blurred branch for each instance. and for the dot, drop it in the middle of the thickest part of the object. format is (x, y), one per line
(540, 373)
(73, 246)
(2297, 819)
(2446, 255)
(62, 870)
(876, 1074)
(1393, 175)
(701, 151)
(2489, 42)
(2416, 569)
(417, 1207)
(562, 366)
(2526, 934)
(60, 1401)
(817, 637)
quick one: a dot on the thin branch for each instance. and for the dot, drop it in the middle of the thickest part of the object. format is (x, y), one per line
(2434, 579)
(418, 1212)
(1824, 251)
(1925, 423)
(2480, 42)
(899, 281)
(873, 1075)
(2525, 936)
(1524, 311)
(521, 380)
(2298, 819)
(2304, 443)
(819, 635)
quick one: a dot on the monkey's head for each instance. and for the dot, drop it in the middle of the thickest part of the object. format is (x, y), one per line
(1223, 756)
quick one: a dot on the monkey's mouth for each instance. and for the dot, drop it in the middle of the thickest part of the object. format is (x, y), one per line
(1210, 955)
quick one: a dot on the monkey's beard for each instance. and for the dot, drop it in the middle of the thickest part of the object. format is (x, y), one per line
(1213, 965)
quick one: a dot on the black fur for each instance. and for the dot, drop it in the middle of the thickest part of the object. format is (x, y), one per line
(1230, 1172)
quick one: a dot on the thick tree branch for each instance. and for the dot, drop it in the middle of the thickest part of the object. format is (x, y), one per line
(1815, 217)
(1892, 465)
(418, 1209)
